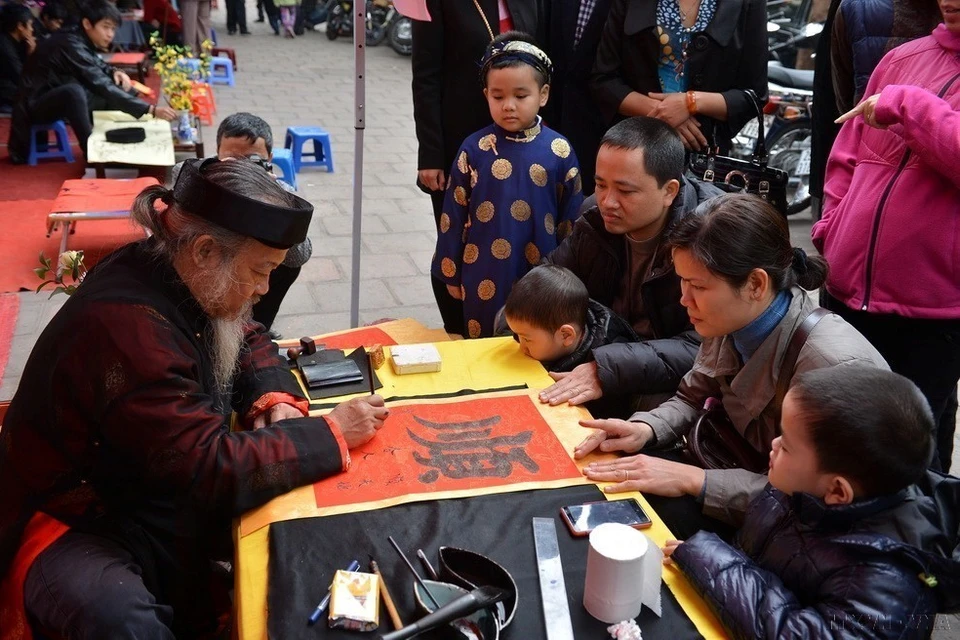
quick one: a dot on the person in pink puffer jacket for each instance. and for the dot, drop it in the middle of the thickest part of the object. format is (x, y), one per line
(891, 217)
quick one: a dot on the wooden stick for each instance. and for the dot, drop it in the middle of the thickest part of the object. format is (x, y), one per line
(387, 600)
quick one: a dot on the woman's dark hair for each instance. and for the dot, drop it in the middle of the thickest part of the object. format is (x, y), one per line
(735, 233)
(12, 16)
(510, 36)
(548, 297)
(872, 426)
(97, 10)
(245, 125)
(663, 154)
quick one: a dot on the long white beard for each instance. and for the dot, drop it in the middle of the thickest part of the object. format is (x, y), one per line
(226, 343)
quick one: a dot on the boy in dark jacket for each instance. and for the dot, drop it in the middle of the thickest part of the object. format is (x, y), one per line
(64, 79)
(553, 318)
(854, 539)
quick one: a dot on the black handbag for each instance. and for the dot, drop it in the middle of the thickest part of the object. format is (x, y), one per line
(715, 443)
(743, 176)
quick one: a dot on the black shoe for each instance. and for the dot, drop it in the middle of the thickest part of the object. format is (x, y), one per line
(245, 32)
(275, 335)
(260, 19)
(231, 32)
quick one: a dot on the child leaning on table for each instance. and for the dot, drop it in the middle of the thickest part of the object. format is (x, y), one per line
(514, 190)
(553, 318)
(853, 537)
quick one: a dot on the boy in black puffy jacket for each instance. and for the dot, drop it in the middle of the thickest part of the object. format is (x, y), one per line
(551, 315)
(853, 538)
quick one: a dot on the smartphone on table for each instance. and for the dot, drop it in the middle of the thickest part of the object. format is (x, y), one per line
(583, 518)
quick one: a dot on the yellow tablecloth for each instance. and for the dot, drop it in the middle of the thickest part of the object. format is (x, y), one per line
(468, 364)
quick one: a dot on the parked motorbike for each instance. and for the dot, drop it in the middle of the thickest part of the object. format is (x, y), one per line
(789, 29)
(339, 19)
(788, 128)
(401, 35)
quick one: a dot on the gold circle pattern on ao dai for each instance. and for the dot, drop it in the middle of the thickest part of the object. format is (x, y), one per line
(460, 196)
(470, 253)
(564, 229)
(485, 211)
(532, 253)
(548, 223)
(520, 210)
(448, 268)
(560, 148)
(488, 142)
(538, 174)
(577, 184)
(473, 329)
(462, 163)
(501, 169)
(574, 171)
(444, 223)
(487, 290)
(501, 249)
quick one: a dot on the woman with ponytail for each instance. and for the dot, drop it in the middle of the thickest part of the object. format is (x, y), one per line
(746, 291)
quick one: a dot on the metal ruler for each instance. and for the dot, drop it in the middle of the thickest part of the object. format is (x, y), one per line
(553, 591)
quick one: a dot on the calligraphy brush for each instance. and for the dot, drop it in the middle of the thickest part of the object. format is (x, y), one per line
(370, 372)
(387, 598)
(426, 564)
(416, 575)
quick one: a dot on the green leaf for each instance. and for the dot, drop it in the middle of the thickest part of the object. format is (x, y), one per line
(41, 272)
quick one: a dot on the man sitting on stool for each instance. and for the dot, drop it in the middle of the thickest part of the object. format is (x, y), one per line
(64, 79)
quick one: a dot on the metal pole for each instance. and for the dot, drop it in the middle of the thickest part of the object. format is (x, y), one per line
(359, 44)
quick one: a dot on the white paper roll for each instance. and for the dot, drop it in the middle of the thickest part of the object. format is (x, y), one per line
(616, 581)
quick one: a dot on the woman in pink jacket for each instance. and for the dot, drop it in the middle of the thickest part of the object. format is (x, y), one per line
(891, 216)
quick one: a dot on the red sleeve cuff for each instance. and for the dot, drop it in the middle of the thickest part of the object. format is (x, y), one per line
(268, 400)
(338, 435)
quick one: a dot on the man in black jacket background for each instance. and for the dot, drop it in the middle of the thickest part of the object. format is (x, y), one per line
(17, 41)
(64, 79)
(616, 249)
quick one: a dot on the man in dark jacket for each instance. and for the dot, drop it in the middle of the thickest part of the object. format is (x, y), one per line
(574, 32)
(16, 43)
(616, 249)
(852, 538)
(64, 79)
(117, 456)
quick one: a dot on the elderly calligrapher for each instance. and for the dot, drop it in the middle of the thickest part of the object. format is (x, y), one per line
(118, 457)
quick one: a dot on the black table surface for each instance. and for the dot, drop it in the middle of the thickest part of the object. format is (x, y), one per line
(305, 553)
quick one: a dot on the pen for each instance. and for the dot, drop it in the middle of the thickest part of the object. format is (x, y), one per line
(318, 612)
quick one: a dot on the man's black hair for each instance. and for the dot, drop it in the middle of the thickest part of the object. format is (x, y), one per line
(510, 36)
(871, 426)
(12, 16)
(54, 11)
(663, 154)
(97, 10)
(548, 297)
(245, 125)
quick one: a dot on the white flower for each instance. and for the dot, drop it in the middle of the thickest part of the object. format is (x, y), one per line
(68, 259)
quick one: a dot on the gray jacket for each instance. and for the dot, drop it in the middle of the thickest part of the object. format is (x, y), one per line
(747, 392)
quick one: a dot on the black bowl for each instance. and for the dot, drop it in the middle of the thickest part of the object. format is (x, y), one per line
(470, 570)
(479, 625)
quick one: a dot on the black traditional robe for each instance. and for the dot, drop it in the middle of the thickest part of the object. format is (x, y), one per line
(117, 427)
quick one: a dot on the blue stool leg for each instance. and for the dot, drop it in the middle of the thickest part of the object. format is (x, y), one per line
(327, 153)
(63, 140)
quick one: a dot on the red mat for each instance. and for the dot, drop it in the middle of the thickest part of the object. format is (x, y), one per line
(24, 224)
(9, 305)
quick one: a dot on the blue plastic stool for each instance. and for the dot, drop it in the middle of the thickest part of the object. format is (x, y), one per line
(221, 70)
(322, 152)
(192, 67)
(39, 151)
(283, 160)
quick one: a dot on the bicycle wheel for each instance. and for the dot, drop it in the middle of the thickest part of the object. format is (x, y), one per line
(789, 149)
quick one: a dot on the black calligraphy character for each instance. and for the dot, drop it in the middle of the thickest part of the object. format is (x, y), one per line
(343, 486)
(397, 479)
(367, 454)
(468, 450)
(365, 482)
